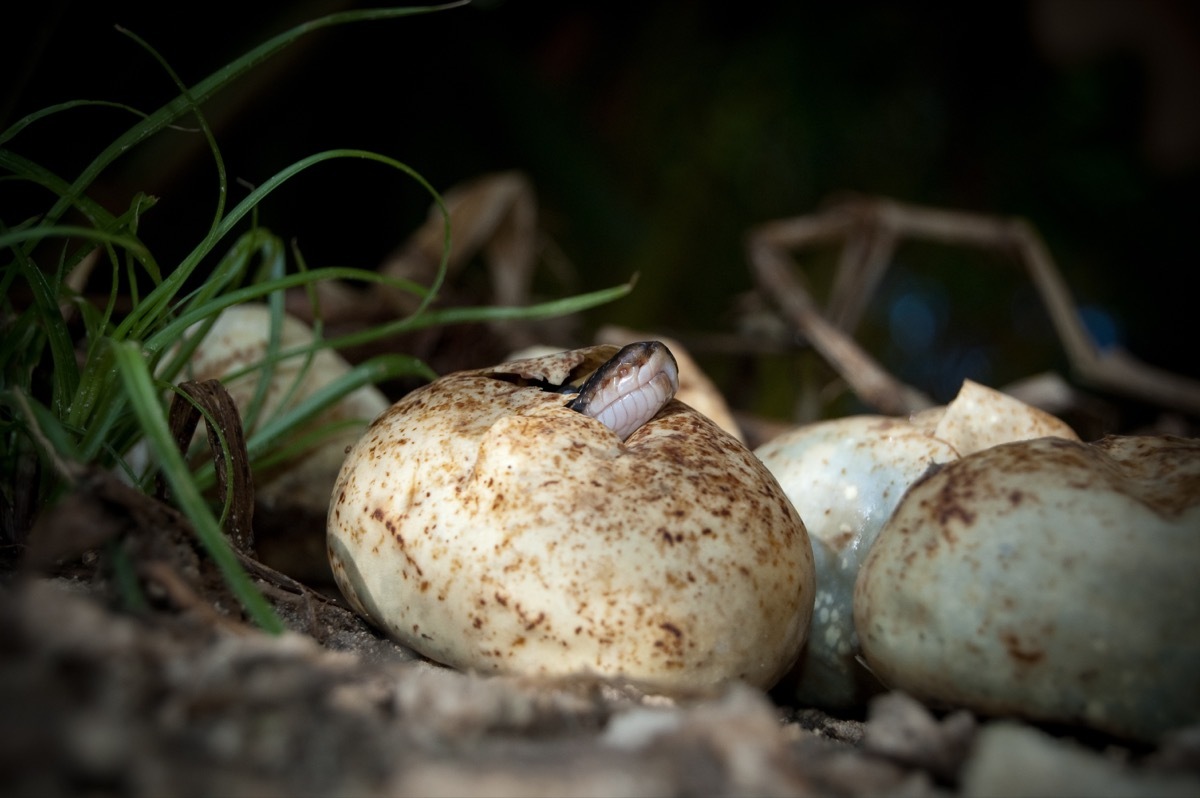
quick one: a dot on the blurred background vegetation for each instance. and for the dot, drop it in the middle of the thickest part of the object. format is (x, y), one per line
(657, 134)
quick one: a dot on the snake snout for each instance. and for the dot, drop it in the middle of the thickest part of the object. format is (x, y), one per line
(630, 388)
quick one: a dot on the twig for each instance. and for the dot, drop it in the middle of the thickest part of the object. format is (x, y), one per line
(871, 230)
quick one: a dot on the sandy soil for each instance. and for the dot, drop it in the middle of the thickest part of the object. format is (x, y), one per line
(183, 697)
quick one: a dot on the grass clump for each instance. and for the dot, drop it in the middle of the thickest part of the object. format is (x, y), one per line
(82, 382)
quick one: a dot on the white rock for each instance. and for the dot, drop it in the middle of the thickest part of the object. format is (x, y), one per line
(1047, 578)
(486, 525)
(1014, 760)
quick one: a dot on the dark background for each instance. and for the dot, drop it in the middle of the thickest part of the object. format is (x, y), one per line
(656, 134)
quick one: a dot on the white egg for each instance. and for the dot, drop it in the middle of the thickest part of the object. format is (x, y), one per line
(239, 339)
(1047, 578)
(844, 477)
(485, 524)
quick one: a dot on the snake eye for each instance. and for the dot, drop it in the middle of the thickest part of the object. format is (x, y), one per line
(624, 371)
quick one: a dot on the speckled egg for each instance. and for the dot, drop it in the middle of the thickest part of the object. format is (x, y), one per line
(845, 476)
(485, 524)
(1047, 578)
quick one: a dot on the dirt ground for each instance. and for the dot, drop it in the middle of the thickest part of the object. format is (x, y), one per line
(182, 697)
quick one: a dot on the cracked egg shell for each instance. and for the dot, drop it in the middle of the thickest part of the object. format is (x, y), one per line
(980, 417)
(486, 525)
(1048, 578)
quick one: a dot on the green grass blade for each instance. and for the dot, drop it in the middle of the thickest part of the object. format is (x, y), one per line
(210, 85)
(369, 372)
(194, 107)
(43, 428)
(280, 428)
(21, 168)
(199, 307)
(140, 320)
(297, 446)
(274, 265)
(146, 403)
(224, 452)
(470, 315)
(13, 237)
(64, 372)
(28, 120)
(173, 330)
(20, 348)
(463, 315)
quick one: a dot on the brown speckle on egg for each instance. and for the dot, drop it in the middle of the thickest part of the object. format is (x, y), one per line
(672, 559)
(1069, 597)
